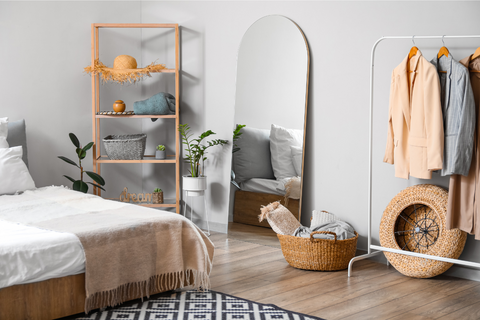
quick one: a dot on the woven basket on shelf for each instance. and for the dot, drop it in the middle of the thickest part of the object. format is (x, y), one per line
(415, 220)
(125, 147)
(318, 254)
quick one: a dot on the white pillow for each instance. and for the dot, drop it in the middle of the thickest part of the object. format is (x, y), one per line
(14, 175)
(281, 140)
(3, 132)
(297, 154)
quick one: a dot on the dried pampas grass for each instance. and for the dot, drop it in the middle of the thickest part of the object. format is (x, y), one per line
(122, 76)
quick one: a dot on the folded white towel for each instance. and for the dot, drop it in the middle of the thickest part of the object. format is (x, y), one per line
(322, 217)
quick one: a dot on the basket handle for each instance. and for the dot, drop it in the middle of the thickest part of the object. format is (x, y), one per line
(327, 232)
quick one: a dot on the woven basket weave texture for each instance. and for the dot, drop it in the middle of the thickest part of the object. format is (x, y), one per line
(400, 218)
(125, 147)
(318, 254)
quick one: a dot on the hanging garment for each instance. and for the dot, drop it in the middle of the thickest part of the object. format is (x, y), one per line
(463, 210)
(415, 124)
(458, 107)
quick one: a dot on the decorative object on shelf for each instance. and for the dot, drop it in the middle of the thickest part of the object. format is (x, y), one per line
(124, 70)
(196, 150)
(113, 113)
(138, 198)
(415, 221)
(125, 147)
(160, 153)
(160, 103)
(119, 106)
(157, 196)
(79, 185)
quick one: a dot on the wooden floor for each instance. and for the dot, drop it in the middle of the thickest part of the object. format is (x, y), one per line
(253, 234)
(260, 273)
(244, 268)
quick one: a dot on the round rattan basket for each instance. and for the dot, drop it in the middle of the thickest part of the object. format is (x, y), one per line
(415, 220)
(318, 254)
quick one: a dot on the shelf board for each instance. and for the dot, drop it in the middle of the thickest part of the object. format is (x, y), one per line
(135, 25)
(112, 116)
(146, 159)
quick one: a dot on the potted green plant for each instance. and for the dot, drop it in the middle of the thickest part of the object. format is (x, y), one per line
(160, 153)
(157, 196)
(196, 181)
(80, 185)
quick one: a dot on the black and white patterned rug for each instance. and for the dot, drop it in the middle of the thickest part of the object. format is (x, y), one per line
(194, 305)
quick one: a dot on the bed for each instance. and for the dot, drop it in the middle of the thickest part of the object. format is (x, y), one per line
(267, 168)
(63, 252)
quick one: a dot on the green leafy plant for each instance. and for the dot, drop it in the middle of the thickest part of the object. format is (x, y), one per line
(161, 147)
(157, 190)
(196, 150)
(236, 134)
(79, 185)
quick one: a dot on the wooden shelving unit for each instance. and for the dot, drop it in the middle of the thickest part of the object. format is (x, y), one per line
(99, 159)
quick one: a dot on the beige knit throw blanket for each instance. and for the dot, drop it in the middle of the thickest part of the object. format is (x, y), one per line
(130, 250)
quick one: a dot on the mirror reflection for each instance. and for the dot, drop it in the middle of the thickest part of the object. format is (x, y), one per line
(270, 113)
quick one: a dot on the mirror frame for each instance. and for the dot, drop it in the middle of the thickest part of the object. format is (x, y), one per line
(307, 84)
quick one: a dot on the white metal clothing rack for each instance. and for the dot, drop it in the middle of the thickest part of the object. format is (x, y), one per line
(370, 245)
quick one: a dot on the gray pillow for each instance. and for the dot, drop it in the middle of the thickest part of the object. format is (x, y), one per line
(17, 136)
(253, 158)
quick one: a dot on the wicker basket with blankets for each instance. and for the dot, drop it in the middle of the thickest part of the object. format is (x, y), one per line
(327, 245)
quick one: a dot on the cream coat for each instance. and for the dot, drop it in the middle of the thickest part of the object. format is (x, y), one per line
(415, 121)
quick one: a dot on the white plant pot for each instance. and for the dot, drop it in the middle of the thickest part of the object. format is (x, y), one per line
(194, 186)
(160, 154)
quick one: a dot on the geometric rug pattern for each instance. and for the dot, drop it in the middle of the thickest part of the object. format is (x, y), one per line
(195, 305)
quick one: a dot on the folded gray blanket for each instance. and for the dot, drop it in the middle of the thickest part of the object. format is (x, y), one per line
(342, 229)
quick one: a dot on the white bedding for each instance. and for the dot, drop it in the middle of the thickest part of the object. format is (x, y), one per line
(29, 254)
(264, 186)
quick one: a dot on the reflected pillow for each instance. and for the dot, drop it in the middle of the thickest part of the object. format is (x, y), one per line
(3, 132)
(14, 172)
(17, 136)
(281, 140)
(297, 154)
(253, 158)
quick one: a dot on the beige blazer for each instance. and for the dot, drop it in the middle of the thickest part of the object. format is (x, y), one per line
(415, 122)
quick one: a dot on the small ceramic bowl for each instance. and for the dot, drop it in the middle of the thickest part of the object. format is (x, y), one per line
(119, 106)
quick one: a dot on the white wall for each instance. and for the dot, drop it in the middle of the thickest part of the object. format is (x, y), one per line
(45, 45)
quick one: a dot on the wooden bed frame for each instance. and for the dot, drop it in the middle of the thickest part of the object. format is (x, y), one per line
(46, 300)
(247, 206)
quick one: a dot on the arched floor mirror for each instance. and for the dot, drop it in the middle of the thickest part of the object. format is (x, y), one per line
(271, 103)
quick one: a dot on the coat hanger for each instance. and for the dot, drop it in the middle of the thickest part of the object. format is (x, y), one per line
(443, 52)
(476, 54)
(414, 49)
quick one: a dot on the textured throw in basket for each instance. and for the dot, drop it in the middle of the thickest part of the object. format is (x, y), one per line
(318, 254)
(125, 147)
(280, 218)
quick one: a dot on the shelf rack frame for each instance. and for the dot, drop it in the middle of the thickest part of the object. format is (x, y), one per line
(370, 246)
(98, 159)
